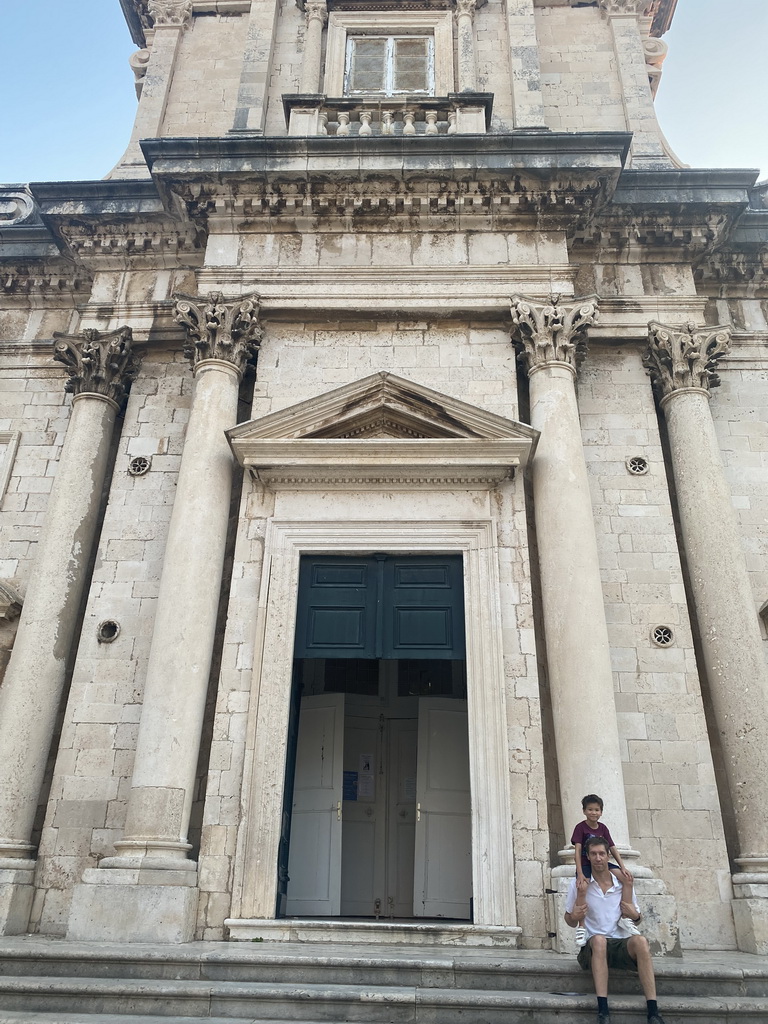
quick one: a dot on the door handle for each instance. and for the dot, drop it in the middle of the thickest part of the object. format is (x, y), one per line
(418, 812)
(338, 810)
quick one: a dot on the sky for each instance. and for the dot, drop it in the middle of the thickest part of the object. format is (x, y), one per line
(69, 101)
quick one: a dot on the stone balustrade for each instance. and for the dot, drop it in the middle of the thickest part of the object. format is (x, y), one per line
(456, 114)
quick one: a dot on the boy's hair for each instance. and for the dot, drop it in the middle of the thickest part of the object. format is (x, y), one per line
(591, 798)
(595, 841)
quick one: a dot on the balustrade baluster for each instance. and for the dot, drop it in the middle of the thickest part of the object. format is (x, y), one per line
(323, 127)
(387, 124)
(365, 122)
(343, 128)
(431, 119)
(408, 126)
(452, 123)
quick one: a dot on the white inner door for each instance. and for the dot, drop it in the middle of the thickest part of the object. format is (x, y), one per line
(314, 861)
(442, 884)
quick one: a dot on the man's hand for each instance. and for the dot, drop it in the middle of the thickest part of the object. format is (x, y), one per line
(581, 883)
(624, 876)
(579, 911)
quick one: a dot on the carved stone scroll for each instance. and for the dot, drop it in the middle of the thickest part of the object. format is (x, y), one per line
(636, 7)
(98, 364)
(170, 12)
(552, 332)
(684, 357)
(220, 329)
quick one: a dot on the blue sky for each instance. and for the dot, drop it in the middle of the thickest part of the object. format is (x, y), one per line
(69, 100)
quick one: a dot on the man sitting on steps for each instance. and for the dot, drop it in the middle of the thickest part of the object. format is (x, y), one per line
(607, 945)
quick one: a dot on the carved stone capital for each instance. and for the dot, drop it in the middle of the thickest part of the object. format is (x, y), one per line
(636, 7)
(220, 329)
(679, 358)
(98, 364)
(552, 332)
(170, 12)
(466, 7)
(316, 10)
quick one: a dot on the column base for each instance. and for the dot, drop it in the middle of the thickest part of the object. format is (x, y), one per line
(659, 923)
(16, 892)
(750, 915)
(134, 905)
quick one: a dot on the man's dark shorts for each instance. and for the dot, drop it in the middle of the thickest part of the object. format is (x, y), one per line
(617, 954)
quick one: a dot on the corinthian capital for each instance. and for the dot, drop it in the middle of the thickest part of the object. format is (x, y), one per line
(98, 364)
(316, 10)
(635, 7)
(217, 329)
(466, 7)
(684, 357)
(170, 12)
(552, 332)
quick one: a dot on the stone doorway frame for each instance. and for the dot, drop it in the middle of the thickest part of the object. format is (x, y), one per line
(255, 871)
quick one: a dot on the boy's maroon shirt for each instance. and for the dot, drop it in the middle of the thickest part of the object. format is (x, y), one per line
(584, 830)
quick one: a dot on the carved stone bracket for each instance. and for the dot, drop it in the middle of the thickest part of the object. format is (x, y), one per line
(684, 357)
(170, 12)
(220, 329)
(98, 364)
(552, 332)
(636, 7)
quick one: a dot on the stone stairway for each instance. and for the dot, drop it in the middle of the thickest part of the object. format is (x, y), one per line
(57, 982)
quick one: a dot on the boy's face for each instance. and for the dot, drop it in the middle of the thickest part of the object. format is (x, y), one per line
(592, 813)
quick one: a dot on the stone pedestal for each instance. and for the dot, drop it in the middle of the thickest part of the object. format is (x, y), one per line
(16, 892)
(139, 905)
(750, 915)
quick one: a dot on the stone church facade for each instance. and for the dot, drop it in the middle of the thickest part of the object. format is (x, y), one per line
(383, 467)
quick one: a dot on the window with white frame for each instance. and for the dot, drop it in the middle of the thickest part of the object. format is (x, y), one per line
(389, 53)
(389, 65)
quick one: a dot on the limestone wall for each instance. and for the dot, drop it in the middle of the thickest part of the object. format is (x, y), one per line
(579, 78)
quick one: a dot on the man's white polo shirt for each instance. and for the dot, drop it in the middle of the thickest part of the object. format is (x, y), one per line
(603, 908)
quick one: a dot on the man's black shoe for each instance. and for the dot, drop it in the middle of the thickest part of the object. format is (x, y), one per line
(605, 1018)
(656, 1018)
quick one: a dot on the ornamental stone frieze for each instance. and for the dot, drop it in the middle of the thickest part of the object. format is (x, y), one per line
(552, 332)
(220, 329)
(98, 364)
(170, 12)
(683, 358)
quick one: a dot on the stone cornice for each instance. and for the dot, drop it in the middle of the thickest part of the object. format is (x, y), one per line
(98, 364)
(684, 358)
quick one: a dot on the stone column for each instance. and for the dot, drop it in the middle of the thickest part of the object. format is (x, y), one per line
(552, 338)
(100, 368)
(681, 362)
(467, 66)
(647, 149)
(316, 14)
(169, 20)
(156, 883)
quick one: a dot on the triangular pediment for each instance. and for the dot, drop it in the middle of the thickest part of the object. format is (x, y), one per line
(379, 406)
(382, 430)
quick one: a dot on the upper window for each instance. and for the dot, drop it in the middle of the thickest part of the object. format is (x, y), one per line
(389, 53)
(389, 65)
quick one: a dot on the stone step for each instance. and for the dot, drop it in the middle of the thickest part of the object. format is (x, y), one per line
(88, 999)
(729, 976)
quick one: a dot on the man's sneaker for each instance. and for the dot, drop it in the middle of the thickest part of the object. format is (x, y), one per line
(581, 936)
(627, 927)
(604, 1018)
(656, 1018)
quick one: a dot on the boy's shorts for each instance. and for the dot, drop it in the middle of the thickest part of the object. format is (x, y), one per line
(617, 954)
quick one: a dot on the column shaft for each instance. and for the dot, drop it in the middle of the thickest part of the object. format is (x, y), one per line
(182, 643)
(467, 66)
(578, 656)
(34, 680)
(726, 614)
(313, 43)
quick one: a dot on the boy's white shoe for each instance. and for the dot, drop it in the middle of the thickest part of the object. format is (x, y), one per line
(581, 936)
(628, 927)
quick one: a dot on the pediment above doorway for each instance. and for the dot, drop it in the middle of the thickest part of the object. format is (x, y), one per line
(382, 429)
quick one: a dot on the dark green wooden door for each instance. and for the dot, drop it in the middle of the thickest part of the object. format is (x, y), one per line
(381, 606)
